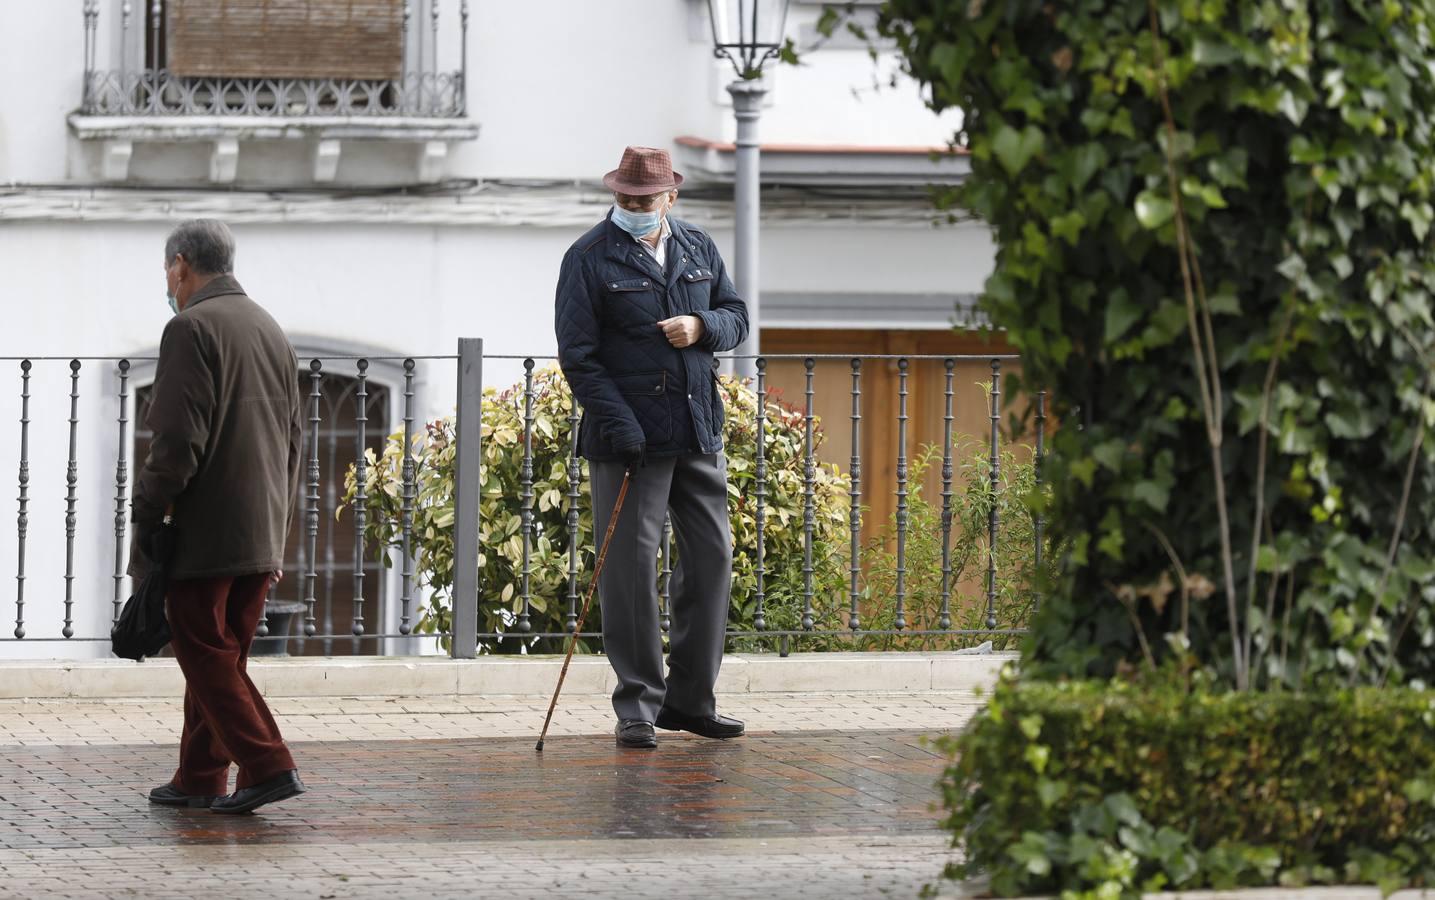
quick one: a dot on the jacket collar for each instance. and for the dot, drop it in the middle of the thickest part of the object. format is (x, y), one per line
(621, 247)
(218, 287)
(683, 236)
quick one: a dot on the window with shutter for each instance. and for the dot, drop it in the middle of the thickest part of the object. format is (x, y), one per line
(358, 39)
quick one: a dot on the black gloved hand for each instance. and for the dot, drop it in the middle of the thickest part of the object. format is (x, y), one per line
(633, 456)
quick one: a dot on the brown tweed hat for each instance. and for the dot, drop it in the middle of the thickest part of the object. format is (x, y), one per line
(643, 171)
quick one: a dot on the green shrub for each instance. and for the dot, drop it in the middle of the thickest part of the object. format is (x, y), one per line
(501, 506)
(1104, 788)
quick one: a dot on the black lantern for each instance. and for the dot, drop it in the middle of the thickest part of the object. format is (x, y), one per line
(747, 33)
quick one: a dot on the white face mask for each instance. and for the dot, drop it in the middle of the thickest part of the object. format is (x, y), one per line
(639, 224)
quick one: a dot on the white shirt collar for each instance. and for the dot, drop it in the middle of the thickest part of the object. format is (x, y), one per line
(660, 252)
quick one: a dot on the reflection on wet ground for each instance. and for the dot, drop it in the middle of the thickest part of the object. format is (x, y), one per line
(763, 785)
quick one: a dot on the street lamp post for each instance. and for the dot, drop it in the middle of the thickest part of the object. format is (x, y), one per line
(747, 33)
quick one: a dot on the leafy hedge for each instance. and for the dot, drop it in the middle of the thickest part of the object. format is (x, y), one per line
(1213, 222)
(1104, 788)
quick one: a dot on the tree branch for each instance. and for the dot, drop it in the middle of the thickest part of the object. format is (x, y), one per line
(1204, 354)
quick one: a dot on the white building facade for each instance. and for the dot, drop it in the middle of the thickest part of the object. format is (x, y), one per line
(414, 180)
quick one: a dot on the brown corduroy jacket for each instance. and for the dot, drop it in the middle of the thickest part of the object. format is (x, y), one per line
(226, 416)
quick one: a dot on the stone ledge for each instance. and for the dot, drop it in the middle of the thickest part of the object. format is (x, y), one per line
(499, 675)
(271, 128)
(225, 135)
(1353, 892)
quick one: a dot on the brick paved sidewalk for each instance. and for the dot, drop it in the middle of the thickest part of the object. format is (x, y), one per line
(828, 796)
(44, 722)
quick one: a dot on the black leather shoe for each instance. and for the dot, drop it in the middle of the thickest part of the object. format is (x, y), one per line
(636, 733)
(719, 727)
(169, 795)
(251, 798)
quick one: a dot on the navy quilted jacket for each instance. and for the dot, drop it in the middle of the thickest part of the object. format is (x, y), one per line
(633, 385)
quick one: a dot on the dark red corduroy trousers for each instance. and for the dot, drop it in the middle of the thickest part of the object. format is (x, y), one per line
(225, 718)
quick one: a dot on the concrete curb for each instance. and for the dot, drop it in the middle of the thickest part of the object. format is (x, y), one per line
(495, 675)
(1347, 892)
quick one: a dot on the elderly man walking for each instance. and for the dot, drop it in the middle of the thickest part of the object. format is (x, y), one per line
(643, 303)
(224, 461)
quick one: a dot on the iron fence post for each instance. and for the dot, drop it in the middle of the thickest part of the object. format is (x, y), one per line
(468, 426)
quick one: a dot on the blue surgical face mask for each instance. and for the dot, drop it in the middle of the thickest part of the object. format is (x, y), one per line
(638, 223)
(173, 302)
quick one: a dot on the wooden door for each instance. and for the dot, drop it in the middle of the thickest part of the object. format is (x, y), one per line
(880, 401)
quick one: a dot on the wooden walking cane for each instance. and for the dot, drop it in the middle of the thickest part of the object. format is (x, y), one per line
(587, 601)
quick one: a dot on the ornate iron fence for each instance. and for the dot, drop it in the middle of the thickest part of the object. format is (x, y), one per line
(114, 438)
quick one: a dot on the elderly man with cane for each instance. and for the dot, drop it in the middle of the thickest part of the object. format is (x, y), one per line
(643, 303)
(226, 416)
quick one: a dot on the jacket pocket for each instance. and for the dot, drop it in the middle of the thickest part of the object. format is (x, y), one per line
(647, 396)
(642, 383)
(697, 285)
(633, 303)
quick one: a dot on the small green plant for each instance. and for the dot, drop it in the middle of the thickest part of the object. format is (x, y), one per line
(965, 607)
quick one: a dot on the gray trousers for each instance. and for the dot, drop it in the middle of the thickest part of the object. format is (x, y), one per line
(693, 490)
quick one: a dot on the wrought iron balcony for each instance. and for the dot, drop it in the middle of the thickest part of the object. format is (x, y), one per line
(262, 58)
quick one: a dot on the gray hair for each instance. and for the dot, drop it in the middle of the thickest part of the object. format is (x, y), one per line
(206, 244)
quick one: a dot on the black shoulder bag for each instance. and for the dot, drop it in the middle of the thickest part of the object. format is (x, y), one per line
(142, 628)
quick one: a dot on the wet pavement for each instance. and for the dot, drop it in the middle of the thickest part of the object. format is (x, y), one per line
(774, 785)
(802, 813)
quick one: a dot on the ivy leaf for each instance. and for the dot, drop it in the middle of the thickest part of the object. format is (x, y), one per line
(1031, 853)
(1153, 209)
(1050, 792)
(1121, 313)
(1123, 809)
(1068, 227)
(1152, 493)
(1036, 756)
(1110, 454)
(1014, 149)
(1214, 53)
(1086, 161)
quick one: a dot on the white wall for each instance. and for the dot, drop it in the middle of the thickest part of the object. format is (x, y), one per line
(41, 67)
(559, 88)
(98, 288)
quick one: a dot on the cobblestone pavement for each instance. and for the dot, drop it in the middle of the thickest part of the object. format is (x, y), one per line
(828, 796)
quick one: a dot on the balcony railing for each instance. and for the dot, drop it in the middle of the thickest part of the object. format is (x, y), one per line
(132, 76)
(72, 534)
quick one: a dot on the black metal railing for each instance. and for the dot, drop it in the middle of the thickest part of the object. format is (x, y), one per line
(126, 72)
(846, 610)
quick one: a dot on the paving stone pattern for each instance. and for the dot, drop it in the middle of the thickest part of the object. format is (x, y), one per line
(396, 811)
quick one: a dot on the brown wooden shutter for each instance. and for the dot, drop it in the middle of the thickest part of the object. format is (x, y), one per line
(360, 39)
